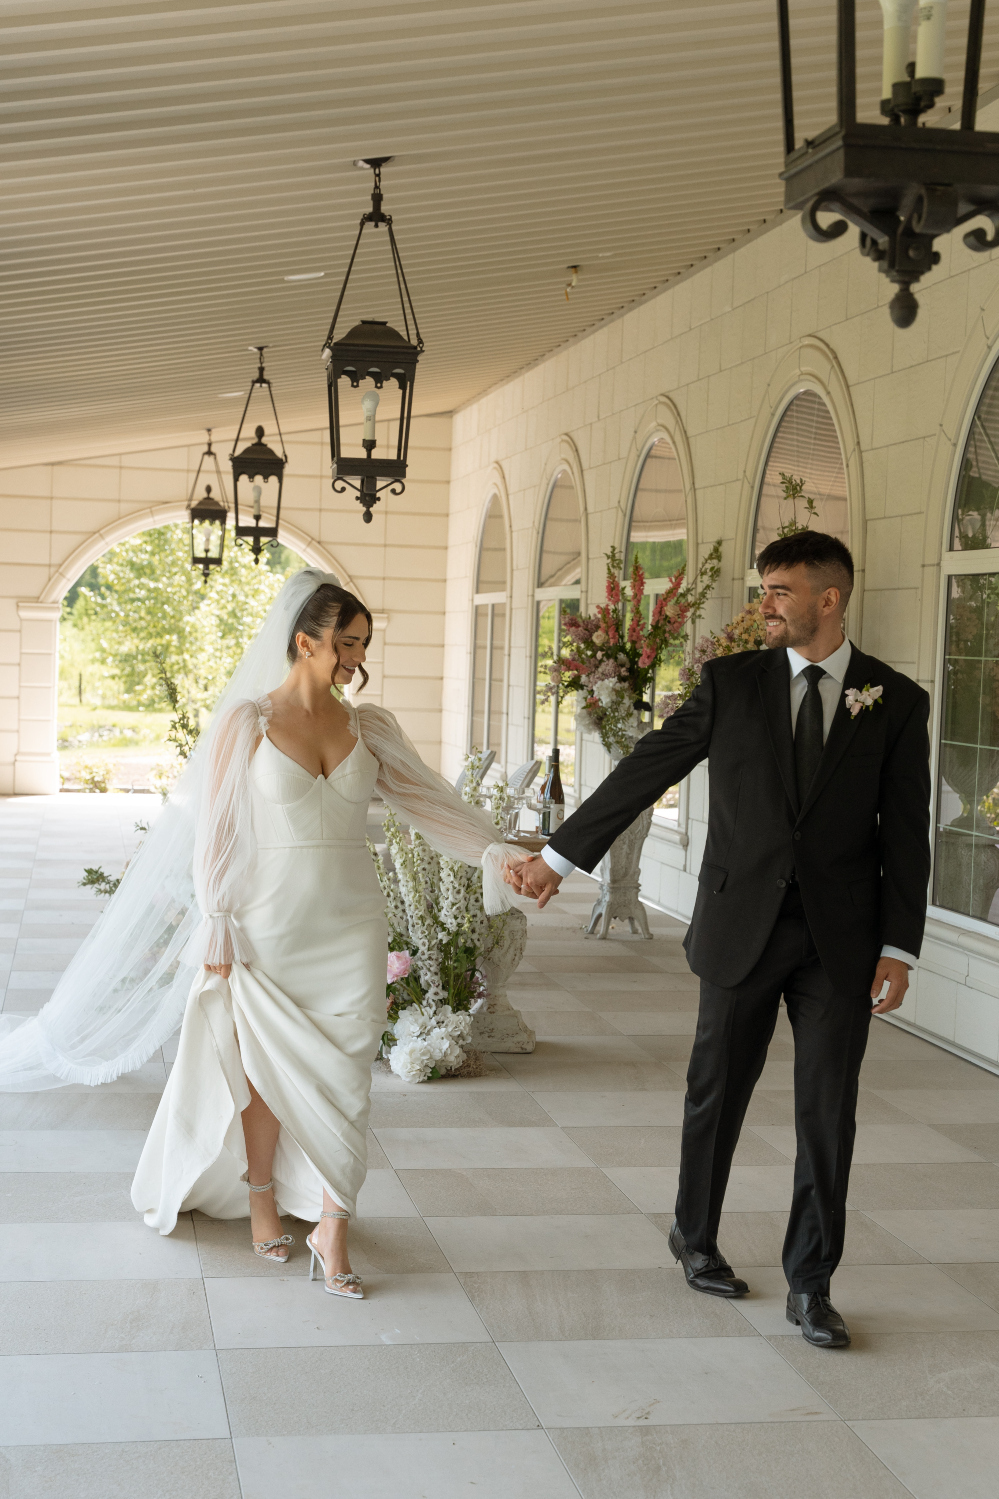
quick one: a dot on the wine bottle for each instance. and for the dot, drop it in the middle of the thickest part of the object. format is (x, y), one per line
(552, 799)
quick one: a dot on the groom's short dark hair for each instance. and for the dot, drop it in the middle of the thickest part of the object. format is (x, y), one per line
(826, 557)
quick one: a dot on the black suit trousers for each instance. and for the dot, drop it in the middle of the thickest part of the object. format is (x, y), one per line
(734, 1030)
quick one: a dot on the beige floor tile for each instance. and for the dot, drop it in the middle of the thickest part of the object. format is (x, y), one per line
(960, 1185)
(97, 1251)
(551, 999)
(497, 1191)
(675, 996)
(597, 1108)
(649, 981)
(496, 1464)
(751, 1239)
(429, 1110)
(659, 1145)
(70, 1149)
(570, 1242)
(737, 1461)
(981, 1280)
(550, 1024)
(983, 1139)
(122, 1470)
(750, 1188)
(776, 1106)
(295, 1312)
(652, 1022)
(377, 1159)
(591, 960)
(945, 1459)
(436, 1149)
(660, 1381)
(953, 1236)
(942, 1106)
(66, 1197)
(877, 1299)
(552, 1305)
(109, 1397)
(384, 1196)
(61, 1110)
(887, 1042)
(894, 1144)
(103, 1316)
(942, 1071)
(611, 1063)
(394, 1246)
(902, 1376)
(288, 1392)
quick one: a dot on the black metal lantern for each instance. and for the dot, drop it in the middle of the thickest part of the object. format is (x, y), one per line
(900, 186)
(257, 461)
(208, 514)
(373, 351)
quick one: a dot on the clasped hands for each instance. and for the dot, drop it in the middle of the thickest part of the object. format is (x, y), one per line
(533, 877)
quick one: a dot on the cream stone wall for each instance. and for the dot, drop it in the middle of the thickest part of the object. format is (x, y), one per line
(711, 362)
(55, 519)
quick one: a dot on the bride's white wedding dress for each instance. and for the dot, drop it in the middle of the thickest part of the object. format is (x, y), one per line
(303, 1012)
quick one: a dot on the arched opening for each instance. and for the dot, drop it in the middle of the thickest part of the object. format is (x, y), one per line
(146, 645)
(966, 856)
(805, 446)
(556, 595)
(657, 537)
(487, 723)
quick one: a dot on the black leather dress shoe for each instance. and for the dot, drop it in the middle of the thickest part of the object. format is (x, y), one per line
(820, 1322)
(709, 1273)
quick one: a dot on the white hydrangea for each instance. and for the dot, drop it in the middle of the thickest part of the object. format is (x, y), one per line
(424, 1042)
(412, 1060)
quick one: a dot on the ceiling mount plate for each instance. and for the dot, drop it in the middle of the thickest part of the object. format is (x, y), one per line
(369, 163)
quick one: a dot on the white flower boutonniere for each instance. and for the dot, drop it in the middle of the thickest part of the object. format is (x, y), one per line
(862, 697)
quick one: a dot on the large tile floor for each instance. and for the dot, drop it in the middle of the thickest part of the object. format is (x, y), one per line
(526, 1335)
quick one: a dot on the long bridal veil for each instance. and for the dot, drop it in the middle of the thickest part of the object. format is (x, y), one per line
(124, 992)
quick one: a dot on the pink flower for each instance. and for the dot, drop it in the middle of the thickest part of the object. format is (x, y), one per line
(399, 964)
(648, 656)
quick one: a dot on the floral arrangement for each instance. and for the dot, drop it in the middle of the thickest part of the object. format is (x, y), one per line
(858, 698)
(746, 632)
(438, 935)
(612, 655)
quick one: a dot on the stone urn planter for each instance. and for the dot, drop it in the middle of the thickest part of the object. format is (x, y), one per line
(496, 1025)
(620, 874)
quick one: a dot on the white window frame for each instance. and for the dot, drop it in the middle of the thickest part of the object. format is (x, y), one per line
(490, 600)
(545, 596)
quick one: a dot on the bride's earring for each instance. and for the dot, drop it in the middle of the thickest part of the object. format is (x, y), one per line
(308, 655)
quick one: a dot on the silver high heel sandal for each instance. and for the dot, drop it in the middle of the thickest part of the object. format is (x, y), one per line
(262, 1246)
(334, 1285)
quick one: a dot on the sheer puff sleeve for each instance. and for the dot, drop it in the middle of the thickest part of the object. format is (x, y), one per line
(223, 848)
(450, 825)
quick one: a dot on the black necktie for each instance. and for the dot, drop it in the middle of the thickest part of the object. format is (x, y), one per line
(808, 732)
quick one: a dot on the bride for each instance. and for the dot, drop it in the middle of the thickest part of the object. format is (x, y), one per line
(284, 929)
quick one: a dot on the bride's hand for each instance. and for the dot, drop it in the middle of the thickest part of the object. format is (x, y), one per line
(222, 969)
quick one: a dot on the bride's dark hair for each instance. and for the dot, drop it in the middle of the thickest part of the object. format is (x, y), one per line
(330, 605)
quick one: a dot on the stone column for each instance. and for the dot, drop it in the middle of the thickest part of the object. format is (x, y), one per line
(36, 764)
(497, 1026)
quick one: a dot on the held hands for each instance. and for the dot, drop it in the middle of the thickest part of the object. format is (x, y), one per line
(894, 973)
(222, 969)
(533, 877)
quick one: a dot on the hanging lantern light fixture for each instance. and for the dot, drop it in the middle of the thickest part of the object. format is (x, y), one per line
(900, 186)
(377, 352)
(208, 514)
(257, 462)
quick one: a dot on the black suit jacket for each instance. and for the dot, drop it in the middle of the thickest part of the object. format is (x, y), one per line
(859, 846)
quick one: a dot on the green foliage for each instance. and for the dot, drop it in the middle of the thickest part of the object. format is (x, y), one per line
(183, 731)
(92, 774)
(142, 613)
(99, 882)
(792, 490)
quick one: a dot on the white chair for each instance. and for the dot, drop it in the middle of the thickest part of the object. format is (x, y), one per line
(487, 760)
(523, 777)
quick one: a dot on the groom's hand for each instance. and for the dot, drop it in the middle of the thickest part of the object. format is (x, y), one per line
(894, 973)
(538, 878)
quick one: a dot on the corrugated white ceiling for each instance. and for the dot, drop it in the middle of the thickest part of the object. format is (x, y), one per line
(167, 165)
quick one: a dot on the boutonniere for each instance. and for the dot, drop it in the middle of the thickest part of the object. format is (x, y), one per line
(862, 697)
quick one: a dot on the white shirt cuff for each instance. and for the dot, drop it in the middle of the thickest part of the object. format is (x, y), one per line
(555, 861)
(896, 952)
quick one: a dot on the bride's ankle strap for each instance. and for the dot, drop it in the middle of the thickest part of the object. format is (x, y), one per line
(334, 1215)
(265, 1188)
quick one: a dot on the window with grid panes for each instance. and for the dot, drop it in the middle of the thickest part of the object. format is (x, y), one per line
(488, 697)
(556, 595)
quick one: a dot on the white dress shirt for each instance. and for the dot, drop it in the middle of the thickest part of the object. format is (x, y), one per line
(830, 691)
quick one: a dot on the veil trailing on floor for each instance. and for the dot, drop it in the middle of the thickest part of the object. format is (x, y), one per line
(125, 990)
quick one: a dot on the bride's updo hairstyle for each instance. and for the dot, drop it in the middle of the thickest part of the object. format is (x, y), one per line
(329, 606)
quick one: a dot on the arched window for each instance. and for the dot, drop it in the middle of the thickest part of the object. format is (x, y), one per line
(657, 536)
(805, 446)
(489, 634)
(966, 862)
(556, 595)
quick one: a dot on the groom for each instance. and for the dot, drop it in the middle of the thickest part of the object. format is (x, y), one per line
(813, 887)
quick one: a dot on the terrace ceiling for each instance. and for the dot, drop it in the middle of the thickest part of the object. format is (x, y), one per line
(167, 165)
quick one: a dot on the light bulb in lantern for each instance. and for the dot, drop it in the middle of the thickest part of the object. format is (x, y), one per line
(257, 492)
(206, 538)
(369, 405)
(930, 39)
(898, 26)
